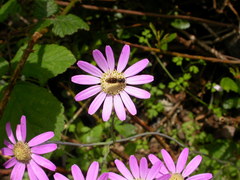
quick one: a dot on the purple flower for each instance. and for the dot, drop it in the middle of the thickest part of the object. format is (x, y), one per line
(138, 172)
(27, 154)
(180, 172)
(78, 175)
(113, 85)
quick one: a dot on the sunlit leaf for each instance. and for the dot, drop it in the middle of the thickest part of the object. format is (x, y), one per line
(10, 7)
(44, 8)
(46, 61)
(229, 85)
(68, 24)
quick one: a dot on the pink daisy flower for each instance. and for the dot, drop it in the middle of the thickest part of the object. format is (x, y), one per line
(78, 175)
(113, 85)
(27, 154)
(138, 172)
(180, 171)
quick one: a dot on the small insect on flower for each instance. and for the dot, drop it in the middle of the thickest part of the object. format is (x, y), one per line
(113, 80)
(111, 84)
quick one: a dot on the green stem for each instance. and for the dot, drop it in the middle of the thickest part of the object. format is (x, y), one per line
(69, 7)
(112, 130)
(173, 79)
(164, 68)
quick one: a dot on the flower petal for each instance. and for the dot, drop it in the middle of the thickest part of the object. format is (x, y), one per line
(137, 92)
(18, 171)
(38, 171)
(114, 176)
(134, 166)
(41, 138)
(31, 174)
(89, 68)
(19, 133)
(205, 176)
(7, 151)
(110, 57)
(58, 176)
(97, 102)
(123, 59)
(107, 108)
(77, 173)
(10, 163)
(89, 92)
(164, 177)
(92, 171)
(23, 123)
(8, 144)
(100, 60)
(123, 170)
(182, 159)
(154, 159)
(45, 148)
(85, 79)
(143, 168)
(128, 103)
(139, 79)
(119, 108)
(43, 162)
(10, 133)
(192, 166)
(152, 173)
(168, 161)
(136, 68)
(103, 176)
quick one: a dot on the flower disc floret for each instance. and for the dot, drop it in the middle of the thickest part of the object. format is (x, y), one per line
(176, 176)
(22, 152)
(113, 82)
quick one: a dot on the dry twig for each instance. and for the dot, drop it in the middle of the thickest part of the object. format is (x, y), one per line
(145, 48)
(18, 70)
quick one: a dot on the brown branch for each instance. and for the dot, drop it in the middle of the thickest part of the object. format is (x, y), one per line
(145, 48)
(138, 13)
(17, 71)
(120, 153)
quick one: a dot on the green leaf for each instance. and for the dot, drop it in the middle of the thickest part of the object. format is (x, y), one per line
(68, 24)
(229, 85)
(232, 103)
(46, 61)
(43, 111)
(10, 7)
(44, 8)
(194, 69)
(41, 24)
(180, 24)
(94, 135)
(178, 60)
(126, 130)
(3, 66)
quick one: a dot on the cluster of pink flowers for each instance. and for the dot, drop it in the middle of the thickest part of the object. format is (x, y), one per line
(112, 87)
(27, 155)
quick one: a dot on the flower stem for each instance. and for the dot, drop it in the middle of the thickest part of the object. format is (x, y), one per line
(69, 7)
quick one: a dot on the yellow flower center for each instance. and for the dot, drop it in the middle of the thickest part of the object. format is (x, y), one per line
(176, 176)
(22, 152)
(113, 82)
